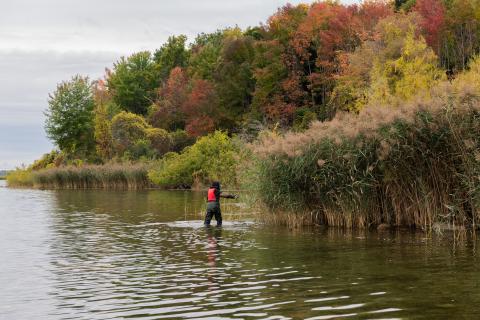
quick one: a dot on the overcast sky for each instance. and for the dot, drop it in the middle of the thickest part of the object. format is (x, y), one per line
(43, 42)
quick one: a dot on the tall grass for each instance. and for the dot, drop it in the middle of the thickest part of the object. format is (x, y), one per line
(109, 176)
(417, 165)
(20, 178)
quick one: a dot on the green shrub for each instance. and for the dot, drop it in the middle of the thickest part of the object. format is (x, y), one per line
(140, 150)
(211, 158)
(180, 140)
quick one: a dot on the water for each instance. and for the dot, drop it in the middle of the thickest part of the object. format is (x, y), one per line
(145, 255)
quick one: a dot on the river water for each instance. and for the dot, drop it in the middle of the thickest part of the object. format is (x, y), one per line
(145, 255)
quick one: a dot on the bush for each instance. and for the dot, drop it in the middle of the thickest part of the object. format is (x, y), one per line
(141, 150)
(53, 159)
(180, 140)
(211, 158)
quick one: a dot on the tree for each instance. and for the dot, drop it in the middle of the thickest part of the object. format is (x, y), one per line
(396, 66)
(368, 14)
(328, 29)
(353, 81)
(461, 35)
(201, 108)
(70, 118)
(234, 82)
(167, 112)
(127, 129)
(205, 53)
(103, 132)
(133, 82)
(415, 70)
(171, 55)
(283, 25)
(432, 21)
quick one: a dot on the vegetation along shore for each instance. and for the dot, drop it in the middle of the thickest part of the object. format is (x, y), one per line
(344, 115)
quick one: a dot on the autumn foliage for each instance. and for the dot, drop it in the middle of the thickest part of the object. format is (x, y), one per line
(306, 62)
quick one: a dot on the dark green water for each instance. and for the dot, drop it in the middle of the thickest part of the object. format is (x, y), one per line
(145, 255)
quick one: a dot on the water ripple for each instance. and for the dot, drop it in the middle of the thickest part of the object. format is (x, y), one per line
(91, 255)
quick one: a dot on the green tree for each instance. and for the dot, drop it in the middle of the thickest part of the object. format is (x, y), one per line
(171, 55)
(70, 118)
(127, 130)
(269, 71)
(234, 78)
(205, 54)
(133, 82)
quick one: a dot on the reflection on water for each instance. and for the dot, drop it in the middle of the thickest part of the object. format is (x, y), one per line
(146, 255)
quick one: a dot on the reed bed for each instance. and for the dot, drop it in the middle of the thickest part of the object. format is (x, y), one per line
(290, 219)
(414, 165)
(132, 176)
(109, 176)
(20, 178)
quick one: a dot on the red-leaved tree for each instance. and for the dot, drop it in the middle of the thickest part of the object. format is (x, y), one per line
(432, 20)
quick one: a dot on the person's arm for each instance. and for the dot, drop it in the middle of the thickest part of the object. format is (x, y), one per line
(228, 196)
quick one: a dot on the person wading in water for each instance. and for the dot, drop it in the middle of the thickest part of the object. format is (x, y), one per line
(213, 203)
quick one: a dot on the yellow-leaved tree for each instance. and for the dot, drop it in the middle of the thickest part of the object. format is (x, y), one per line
(411, 74)
(389, 70)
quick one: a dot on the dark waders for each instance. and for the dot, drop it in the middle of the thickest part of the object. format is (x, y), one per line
(213, 209)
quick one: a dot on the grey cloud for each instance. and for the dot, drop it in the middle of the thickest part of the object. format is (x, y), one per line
(25, 81)
(121, 25)
(28, 77)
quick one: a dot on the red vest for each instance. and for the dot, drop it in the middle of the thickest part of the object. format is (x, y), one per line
(211, 194)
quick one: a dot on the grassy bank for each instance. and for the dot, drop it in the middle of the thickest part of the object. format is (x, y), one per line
(414, 165)
(110, 176)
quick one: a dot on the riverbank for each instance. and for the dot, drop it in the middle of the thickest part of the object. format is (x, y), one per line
(213, 157)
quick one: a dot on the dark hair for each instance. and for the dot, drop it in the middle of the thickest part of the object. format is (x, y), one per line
(216, 185)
